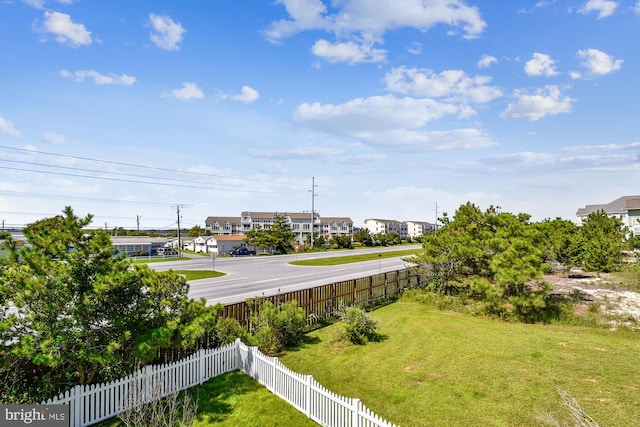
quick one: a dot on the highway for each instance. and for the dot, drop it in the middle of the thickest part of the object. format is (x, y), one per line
(252, 276)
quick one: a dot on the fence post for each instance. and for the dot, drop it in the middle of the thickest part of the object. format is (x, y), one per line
(148, 383)
(307, 397)
(202, 366)
(355, 412)
(77, 409)
(274, 375)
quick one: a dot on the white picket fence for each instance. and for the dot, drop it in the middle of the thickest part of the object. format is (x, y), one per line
(91, 404)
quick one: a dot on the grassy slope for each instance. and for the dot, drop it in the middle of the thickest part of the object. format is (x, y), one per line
(440, 369)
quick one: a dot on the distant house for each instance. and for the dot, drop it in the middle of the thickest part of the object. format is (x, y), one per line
(331, 227)
(627, 208)
(405, 229)
(301, 224)
(138, 245)
(226, 244)
(200, 244)
(419, 228)
(188, 244)
(385, 226)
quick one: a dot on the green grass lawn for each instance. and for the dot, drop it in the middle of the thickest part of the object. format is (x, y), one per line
(198, 274)
(355, 258)
(235, 400)
(436, 368)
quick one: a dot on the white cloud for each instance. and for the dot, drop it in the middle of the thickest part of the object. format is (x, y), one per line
(6, 127)
(603, 7)
(415, 48)
(603, 147)
(375, 113)
(423, 140)
(166, 33)
(368, 20)
(189, 91)
(99, 79)
(544, 102)
(349, 52)
(553, 161)
(636, 8)
(449, 84)
(247, 96)
(486, 61)
(598, 62)
(55, 138)
(65, 30)
(39, 4)
(540, 65)
(324, 154)
(388, 121)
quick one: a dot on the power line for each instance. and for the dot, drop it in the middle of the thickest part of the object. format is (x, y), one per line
(141, 166)
(165, 184)
(77, 198)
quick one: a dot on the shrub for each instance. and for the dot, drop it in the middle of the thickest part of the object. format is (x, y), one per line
(276, 327)
(228, 329)
(359, 327)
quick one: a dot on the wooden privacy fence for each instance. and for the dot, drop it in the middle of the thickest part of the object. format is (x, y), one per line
(323, 301)
(90, 404)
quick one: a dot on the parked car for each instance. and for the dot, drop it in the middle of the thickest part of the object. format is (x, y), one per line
(241, 252)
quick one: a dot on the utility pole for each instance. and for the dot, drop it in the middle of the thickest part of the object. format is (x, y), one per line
(179, 241)
(313, 215)
(436, 224)
(138, 223)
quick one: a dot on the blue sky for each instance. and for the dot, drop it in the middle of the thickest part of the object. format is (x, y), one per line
(128, 109)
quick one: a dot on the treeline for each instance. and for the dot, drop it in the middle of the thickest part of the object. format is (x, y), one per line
(494, 260)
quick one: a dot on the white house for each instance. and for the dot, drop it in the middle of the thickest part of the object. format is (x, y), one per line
(419, 228)
(386, 226)
(225, 244)
(200, 244)
(627, 208)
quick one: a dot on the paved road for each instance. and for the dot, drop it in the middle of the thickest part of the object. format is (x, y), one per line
(248, 277)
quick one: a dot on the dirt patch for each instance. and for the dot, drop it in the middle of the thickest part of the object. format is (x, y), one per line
(621, 304)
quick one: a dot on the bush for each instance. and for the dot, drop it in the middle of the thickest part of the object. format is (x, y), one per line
(228, 329)
(275, 328)
(359, 327)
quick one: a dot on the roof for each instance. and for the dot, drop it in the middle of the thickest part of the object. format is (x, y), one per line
(222, 219)
(329, 219)
(618, 206)
(386, 221)
(271, 215)
(230, 238)
(419, 222)
(139, 240)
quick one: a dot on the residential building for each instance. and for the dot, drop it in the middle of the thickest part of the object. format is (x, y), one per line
(225, 244)
(138, 245)
(419, 228)
(405, 229)
(300, 223)
(331, 227)
(627, 208)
